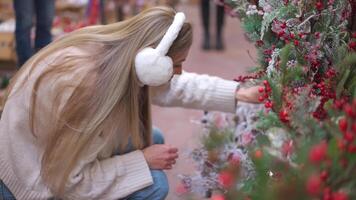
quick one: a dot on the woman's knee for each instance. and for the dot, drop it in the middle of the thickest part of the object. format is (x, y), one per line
(161, 186)
(157, 136)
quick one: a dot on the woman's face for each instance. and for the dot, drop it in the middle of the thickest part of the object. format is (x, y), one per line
(178, 59)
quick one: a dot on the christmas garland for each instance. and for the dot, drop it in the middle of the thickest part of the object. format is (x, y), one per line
(302, 144)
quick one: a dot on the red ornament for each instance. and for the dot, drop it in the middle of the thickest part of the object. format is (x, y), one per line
(296, 42)
(318, 153)
(343, 124)
(226, 179)
(314, 185)
(340, 196)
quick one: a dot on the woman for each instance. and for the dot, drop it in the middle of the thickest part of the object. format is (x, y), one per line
(77, 122)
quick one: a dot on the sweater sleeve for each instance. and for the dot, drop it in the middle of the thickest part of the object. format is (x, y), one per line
(112, 178)
(191, 90)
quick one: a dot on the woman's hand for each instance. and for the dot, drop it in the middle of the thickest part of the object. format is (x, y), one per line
(249, 95)
(160, 156)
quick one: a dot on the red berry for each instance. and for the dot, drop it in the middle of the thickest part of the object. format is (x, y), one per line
(343, 124)
(318, 153)
(340, 196)
(284, 25)
(317, 35)
(261, 99)
(296, 42)
(265, 82)
(283, 116)
(319, 5)
(348, 110)
(268, 104)
(327, 194)
(352, 148)
(314, 185)
(354, 127)
(261, 89)
(349, 136)
(352, 45)
(324, 175)
(226, 179)
(354, 35)
(281, 33)
(258, 154)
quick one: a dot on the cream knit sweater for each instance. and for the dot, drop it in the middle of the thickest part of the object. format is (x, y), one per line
(112, 178)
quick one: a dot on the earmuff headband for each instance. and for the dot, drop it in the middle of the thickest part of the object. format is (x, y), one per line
(171, 34)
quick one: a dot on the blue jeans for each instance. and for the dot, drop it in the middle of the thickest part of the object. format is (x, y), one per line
(24, 13)
(157, 191)
(5, 193)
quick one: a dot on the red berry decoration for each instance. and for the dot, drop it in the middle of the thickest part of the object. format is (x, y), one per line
(348, 110)
(283, 116)
(314, 185)
(318, 152)
(343, 124)
(226, 179)
(340, 196)
(258, 154)
(261, 89)
(349, 137)
(319, 5)
(324, 175)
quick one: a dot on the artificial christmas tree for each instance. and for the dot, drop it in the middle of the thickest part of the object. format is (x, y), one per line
(302, 143)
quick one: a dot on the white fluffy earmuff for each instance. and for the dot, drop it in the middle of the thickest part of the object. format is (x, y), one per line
(153, 67)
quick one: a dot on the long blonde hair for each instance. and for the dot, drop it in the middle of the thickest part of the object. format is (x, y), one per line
(118, 95)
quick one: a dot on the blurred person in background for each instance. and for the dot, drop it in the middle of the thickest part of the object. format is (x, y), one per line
(205, 16)
(25, 13)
